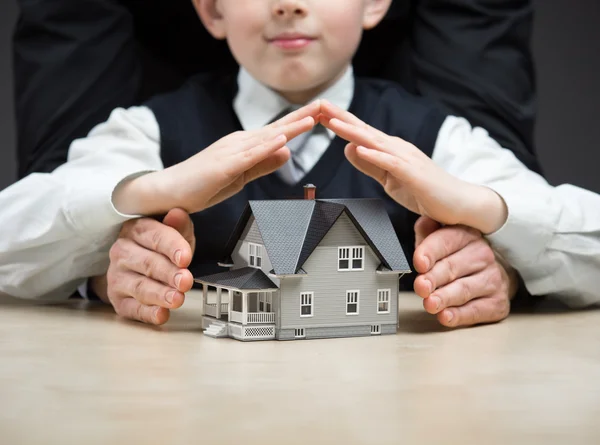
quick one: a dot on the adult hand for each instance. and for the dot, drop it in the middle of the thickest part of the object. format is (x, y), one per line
(217, 172)
(147, 275)
(461, 279)
(411, 178)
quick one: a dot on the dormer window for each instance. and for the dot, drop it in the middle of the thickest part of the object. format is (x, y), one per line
(351, 258)
(255, 255)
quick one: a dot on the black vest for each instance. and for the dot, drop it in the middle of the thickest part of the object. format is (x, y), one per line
(201, 112)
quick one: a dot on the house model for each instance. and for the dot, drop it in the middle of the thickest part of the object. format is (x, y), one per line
(307, 268)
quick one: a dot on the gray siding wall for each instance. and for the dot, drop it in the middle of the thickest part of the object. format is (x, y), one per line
(343, 233)
(336, 331)
(240, 254)
(329, 286)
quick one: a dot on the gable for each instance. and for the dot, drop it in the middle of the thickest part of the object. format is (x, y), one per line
(343, 233)
(251, 233)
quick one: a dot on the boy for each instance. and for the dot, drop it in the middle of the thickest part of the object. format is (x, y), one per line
(147, 160)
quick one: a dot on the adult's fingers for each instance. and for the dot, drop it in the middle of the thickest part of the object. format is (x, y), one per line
(481, 310)
(459, 292)
(132, 309)
(424, 227)
(442, 243)
(180, 220)
(126, 255)
(160, 238)
(474, 257)
(146, 290)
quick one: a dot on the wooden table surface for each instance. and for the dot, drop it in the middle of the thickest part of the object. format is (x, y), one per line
(76, 374)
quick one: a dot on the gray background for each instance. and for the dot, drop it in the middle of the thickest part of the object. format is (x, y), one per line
(567, 52)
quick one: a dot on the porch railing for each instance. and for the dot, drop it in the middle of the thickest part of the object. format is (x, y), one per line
(211, 309)
(253, 317)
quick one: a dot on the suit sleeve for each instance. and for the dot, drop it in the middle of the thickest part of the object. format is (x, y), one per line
(74, 62)
(474, 56)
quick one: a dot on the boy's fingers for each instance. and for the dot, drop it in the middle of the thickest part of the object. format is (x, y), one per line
(311, 110)
(360, 136)
(265, 167)
(134, 310)
(289, 130)
(160, 238)
(385, 161)
(331, 111)
(365, 167)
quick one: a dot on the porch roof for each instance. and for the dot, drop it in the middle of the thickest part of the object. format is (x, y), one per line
(246, 278)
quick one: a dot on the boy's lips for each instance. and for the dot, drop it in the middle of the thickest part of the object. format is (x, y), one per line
(291, 40)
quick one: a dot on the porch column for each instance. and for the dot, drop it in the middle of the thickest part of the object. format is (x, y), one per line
(218, 303)
(244, 307)
(204, 298)
(230, 305)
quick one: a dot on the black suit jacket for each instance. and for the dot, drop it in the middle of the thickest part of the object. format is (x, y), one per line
(75, 61)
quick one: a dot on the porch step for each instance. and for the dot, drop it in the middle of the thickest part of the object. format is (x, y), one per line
(216, 330)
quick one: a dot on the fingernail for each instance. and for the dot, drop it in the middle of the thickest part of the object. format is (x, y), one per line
(437, 302)
(178, 280)
(450, 316)
(170, 296)
(178, 256)
(427, 262)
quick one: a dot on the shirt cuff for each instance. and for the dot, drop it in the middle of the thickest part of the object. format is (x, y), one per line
(91, 210)
(528, 228)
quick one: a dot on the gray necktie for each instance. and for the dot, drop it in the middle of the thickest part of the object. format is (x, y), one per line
(293, 171)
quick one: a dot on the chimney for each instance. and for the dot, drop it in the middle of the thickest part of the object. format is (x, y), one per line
(309, 191)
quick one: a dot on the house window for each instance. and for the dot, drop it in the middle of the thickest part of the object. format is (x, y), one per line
(352, 302)
(299, 333)
(383, 301)
(375, 329)
(265, 300)
(255, 255)
(351, 258)
(306, 304)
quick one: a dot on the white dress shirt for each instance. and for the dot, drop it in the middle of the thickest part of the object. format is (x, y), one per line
(56, 228)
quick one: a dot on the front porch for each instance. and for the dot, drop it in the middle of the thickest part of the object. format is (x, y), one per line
(243, 313)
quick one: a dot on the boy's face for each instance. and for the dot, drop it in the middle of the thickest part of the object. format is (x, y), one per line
(296, 47)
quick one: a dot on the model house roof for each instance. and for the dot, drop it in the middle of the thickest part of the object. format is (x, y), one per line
(245, 278)
(292, 229)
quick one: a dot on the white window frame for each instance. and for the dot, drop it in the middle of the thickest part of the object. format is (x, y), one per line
(255, 255)
(350, 254)
(375, 329)
(265, 300)
(384, 293)
(299, 333)
(350, 293)
(311, 303)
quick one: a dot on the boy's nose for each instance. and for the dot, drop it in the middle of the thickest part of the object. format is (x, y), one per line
(289, 8)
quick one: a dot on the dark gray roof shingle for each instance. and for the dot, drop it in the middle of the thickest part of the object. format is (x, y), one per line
(245, 278)
(372, 218)
(292, 229)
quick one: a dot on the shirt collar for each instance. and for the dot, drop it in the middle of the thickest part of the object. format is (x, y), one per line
(256, 104)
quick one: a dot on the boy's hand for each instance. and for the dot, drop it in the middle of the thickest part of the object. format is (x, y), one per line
(413, 179)
(461, 280)
(217, 172)
(147, 275)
